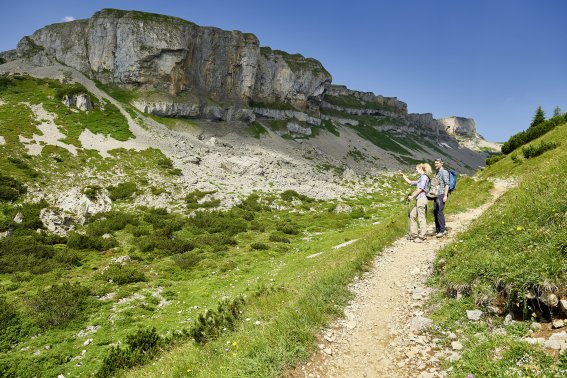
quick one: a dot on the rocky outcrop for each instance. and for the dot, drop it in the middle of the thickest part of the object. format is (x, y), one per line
(154, 52)
(424, 121)
(80, 101)
(367, 100)
(458, 126)
(192, 110)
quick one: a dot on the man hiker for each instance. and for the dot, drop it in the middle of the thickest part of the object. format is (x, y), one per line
(442, 194)
(417, 215)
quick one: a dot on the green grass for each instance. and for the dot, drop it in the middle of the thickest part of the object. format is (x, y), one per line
(104, 118)
(352, 102)
(514, 250)
(257, 130)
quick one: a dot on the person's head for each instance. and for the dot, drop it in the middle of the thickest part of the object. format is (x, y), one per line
(438, 163)
(423, 168)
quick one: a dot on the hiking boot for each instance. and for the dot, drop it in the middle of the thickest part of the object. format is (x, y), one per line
(410, 237)
(419, 239)
(441, 234)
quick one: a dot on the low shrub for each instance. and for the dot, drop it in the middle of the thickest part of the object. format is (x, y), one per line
(91, 191)
(290, 194)
(164, 245)
(534, 132)
(288, 228)
(67, 257)
(252, 204)
(165, 163)
(80, 241)
(106, 223)
(212, 323)
(30, 216)
(10, 325)
(123, 274)
(10, 188)
(277, 237)
(70, 90)
(141, 347)
(187, 260)
(58, 305)
(192, 200)
(228, 223)
(218, 242)
(25, 254)
(259, 246)
(160, 219)
(122, 191)
(533, 150)
(494, 158)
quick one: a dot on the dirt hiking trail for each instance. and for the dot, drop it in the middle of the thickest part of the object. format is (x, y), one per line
(379, 335)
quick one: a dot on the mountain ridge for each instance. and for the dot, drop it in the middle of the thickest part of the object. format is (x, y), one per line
(208, 73)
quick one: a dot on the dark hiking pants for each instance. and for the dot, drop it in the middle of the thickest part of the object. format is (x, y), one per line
(438, 207)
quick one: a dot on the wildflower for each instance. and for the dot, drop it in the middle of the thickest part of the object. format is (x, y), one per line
(519, 228)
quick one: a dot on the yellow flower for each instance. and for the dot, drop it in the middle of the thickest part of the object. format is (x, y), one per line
(519, 228)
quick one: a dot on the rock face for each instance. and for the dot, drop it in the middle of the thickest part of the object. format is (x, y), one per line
(79, 101)
(195, 64)
(459, 126)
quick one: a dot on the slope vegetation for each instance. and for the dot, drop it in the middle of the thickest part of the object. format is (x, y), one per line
(512, 265)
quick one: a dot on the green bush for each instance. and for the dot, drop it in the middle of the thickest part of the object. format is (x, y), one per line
(10, 325)
(123, 274)
(192, 200)
(58, 305)
(228, 223)
(67, 257)
(533, 151)
(218, 242)
(165, 163)
(259, 246)
(164, 245)
(251, 204)
(70, 90)
(494, 158)
(25, 254)
(30, 221)
(80, 241)
(141, 347)
(211, 324)
(106, 223)
(288, 228)
(187, 260)
(123, 190)
(277, 237)
(290, 194)
(524, 137)
(91, 191)
(10, 188)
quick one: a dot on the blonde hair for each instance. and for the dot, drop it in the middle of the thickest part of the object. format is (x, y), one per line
(424, 167)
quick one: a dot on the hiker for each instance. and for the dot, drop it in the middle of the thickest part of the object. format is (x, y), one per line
(442, 194)
(417, 215)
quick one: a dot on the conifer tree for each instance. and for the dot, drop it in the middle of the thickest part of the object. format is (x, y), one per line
(557, 111)
(538, 118)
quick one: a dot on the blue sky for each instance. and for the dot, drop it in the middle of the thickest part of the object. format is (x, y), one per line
(492, 60)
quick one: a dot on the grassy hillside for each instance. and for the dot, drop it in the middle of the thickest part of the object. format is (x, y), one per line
(137, 283)
(511, 261)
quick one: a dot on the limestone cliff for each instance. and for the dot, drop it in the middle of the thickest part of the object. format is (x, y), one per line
(194, 64)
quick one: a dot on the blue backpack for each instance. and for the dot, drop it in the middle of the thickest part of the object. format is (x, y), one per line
(452, 180)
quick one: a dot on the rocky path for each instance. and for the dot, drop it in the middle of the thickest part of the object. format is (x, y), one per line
(380, 333)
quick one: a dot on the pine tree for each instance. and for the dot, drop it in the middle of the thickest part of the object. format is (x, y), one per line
(557, 111)
(539, 117)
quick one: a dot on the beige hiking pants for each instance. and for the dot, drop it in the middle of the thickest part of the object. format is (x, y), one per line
(417, 217)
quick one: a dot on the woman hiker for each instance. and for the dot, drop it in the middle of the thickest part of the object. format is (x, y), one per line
(417, 215)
